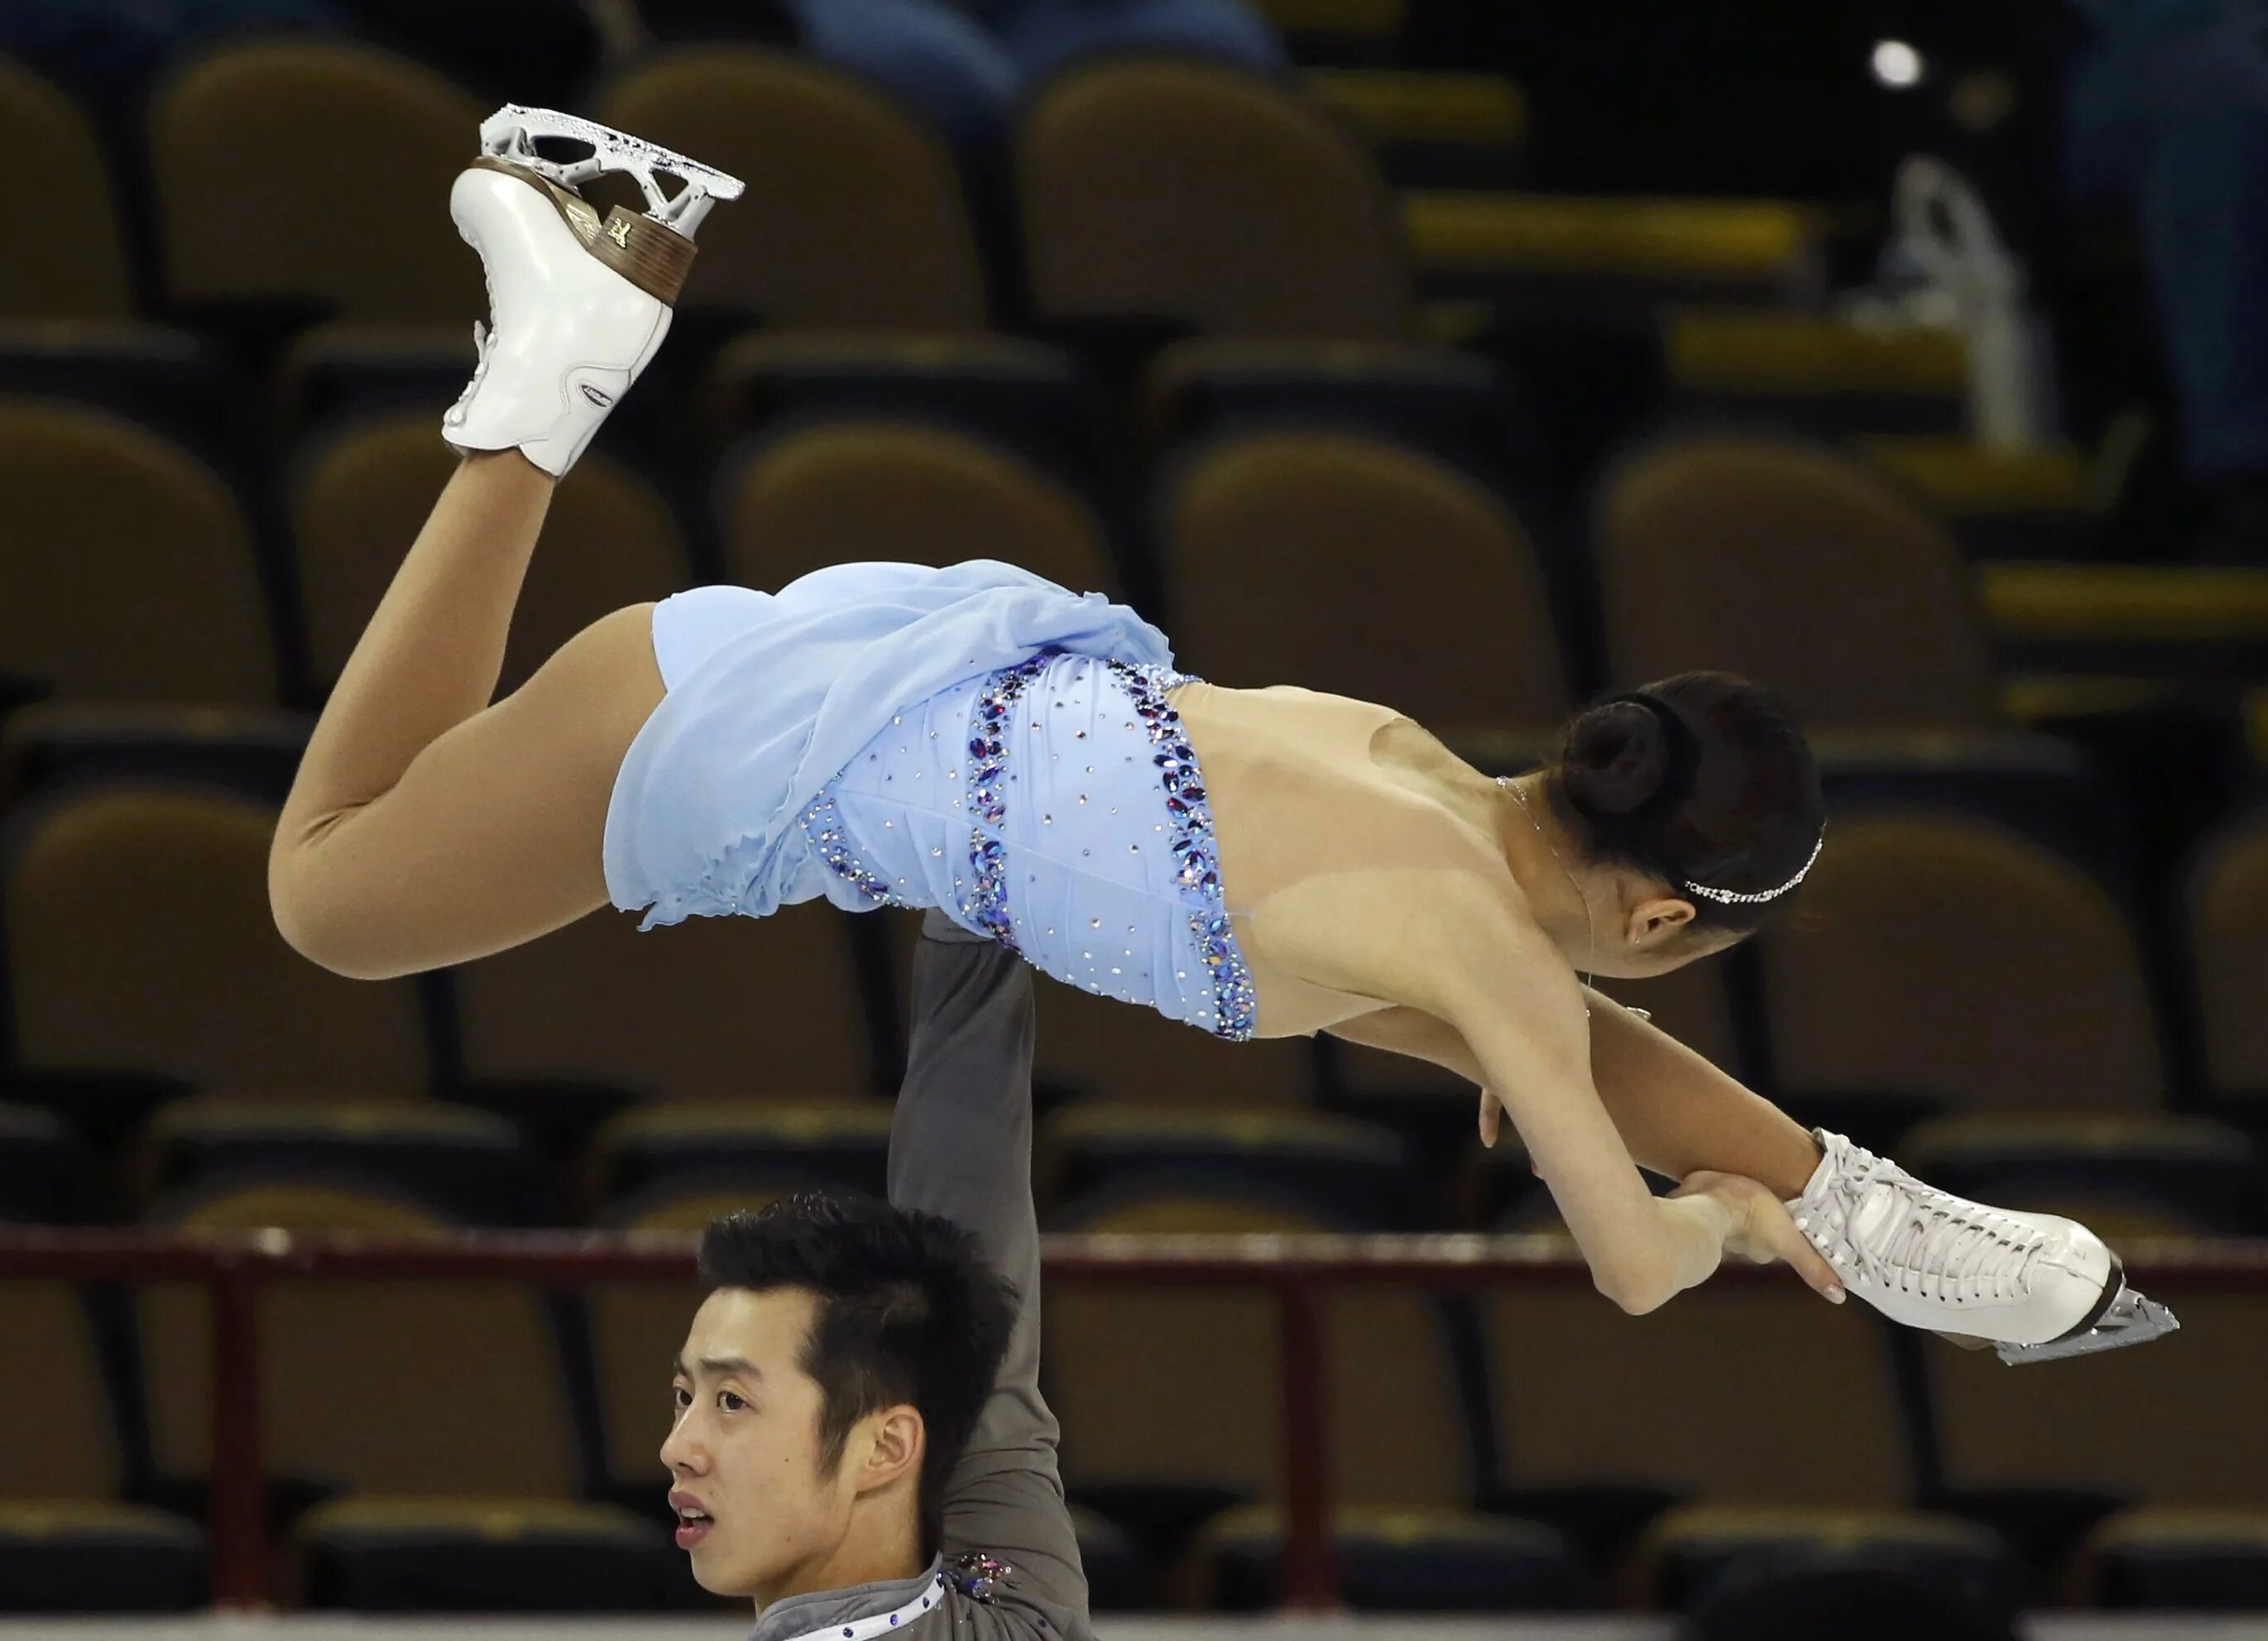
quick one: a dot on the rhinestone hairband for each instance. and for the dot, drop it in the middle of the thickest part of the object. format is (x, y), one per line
(1734, 898)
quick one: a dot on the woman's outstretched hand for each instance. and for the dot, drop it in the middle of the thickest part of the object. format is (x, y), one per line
(1763, 1231)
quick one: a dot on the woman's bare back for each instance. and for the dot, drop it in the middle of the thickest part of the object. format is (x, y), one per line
(1311, 793)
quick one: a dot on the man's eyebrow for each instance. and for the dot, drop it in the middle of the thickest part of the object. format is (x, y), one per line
(719, 1365)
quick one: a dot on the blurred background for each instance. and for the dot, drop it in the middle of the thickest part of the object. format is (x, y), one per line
(1911, 356)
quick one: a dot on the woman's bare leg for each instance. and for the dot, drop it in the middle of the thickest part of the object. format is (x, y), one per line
(1678, 1113)
(426, 826)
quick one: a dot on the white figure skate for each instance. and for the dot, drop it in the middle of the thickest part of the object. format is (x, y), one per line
(577, 304)
(2034, 1286)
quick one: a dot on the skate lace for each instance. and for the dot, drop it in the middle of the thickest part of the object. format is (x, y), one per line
(1936, 1245)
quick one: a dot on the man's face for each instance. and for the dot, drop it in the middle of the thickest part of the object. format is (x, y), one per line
(744, 1443)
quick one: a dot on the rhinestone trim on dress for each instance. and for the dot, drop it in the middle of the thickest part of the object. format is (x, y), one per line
(987, 906)
(1197, 866)
(823, 825)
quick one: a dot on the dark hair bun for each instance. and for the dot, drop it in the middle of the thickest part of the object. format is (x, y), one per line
(1617, 758)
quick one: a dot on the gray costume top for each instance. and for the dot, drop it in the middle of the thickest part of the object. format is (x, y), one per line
(961, 1146)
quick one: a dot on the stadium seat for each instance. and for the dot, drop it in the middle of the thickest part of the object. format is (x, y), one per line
(2185, 1432)
(1356, 1172)
(1814, 375)
(1170, 1397)
(1792, 565)
(711, 1008)
(853, 217)
(1277, 223)
(2168, 1557)
(172, 382)
(43, 1168)
(1458, 633)
(457, 1388)
(2208, 623)
(2225, 895)
(466, 1164)
(1949, 960)
(1603, 1419)
(1449, 404)
(251, 209)
(139, 939)
(345, 368)
(130, 574)
(840, 492)
(2206, 1172)
(838, 1145)
(252, 750)
(1026, 396)
(360, 496)
(1393, 1560)
(472, 1554)
(1538, 257)
(2041, 503)
(1696, 1550)
(68, 1543)
(75, 266)
(1339, 30)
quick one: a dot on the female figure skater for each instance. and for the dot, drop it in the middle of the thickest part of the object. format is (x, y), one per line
(1255, 862)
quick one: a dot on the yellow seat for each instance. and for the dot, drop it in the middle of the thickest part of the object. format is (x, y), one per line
(2165, 1556)
(74, 266)
(1693, 1545)
(1277, 222)
(139, 939)
(844, 491)
(853, 216)
(1950, 957)
(249, 207)
(2225, 893)
(129, 573)
(1273, 571)
(361, 496)
(1795, 566)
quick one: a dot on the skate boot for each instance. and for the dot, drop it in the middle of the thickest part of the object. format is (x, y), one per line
(2034, 1286)
(577, 304)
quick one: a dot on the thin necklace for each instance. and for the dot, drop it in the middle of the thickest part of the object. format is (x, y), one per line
(1589, 928)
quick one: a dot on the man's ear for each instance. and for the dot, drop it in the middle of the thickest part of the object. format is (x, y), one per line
(898, 1441)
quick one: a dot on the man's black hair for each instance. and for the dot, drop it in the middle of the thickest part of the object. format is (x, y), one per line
(909, 1312)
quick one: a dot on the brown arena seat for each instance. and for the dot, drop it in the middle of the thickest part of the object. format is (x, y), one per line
(362, 495)
(1362, 567)
(2226, 892)
(139, 939)
(317, 169)
(129, 573)
(74, 265)
(853, 216)
(1170, 188)
(1793, 565)
(711, 1008)
(1172, 1392)
(67, 1543)
(840, 492)
(1947, 957)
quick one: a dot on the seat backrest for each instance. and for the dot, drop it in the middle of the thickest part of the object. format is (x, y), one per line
(1794, 566)
(139, 939)
(842, 492)
(853, 216)
(1731, 1391)
(74, 265)
(56, 1423)
(2227, 891)
(710, 1008)
(1940, 954)
(316, 169)
(1360, 567)
(360, 497)
(129, 573)
(1171, 1387)
(409, 1387)
(1206, 194)
(2190, 1430)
